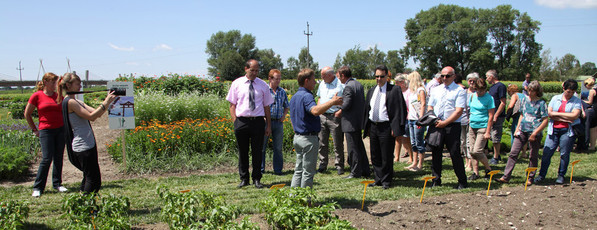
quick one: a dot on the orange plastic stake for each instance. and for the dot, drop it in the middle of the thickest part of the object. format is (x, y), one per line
(528, 170)
(572, 172)
(185, 191)
(277, 186)
(490, 178)
(366, 183)
(425, 185)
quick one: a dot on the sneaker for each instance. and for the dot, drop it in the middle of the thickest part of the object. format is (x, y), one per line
(538, 179)
(493, 161)
(321, 170)
(474, 176)
(560, 180)
(36, 193)
(62, 189)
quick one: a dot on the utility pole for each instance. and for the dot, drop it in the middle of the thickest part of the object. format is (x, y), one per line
(20, 75)
(308, 54)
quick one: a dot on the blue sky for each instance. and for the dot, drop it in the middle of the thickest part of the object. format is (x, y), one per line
(159, 37)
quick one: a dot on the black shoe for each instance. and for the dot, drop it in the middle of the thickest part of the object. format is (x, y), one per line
(278, 173)
(373, 184)
(474, 176)
(386, 186)
(538, 179)
(461, 186)
(340, 171)
(560, 180)
(350, 176)
(487, 173)
(321, 170)
(257, 184)
(243, 183)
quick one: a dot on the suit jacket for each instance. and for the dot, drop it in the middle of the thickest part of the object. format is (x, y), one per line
(353, 106)
(395, 106)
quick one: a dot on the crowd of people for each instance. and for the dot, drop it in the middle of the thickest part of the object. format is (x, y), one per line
(442, 114)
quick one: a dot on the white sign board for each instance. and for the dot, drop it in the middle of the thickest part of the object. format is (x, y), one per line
(121, 113)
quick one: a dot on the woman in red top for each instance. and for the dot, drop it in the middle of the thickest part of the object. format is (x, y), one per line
(50, 132)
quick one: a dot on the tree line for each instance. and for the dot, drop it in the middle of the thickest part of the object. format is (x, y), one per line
(468, 39)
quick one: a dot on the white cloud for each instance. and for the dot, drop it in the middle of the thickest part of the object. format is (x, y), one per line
(162, 47)
(121, 48)
(562, 4)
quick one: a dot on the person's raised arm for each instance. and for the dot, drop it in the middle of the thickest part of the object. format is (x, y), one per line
(83, 111)
(321, 108)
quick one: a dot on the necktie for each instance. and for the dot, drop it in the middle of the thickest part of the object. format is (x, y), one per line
(442, 106)
(251, 96)
(376, 106)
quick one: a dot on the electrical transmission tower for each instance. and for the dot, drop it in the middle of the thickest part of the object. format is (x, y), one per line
(308, 53)
(20, 75)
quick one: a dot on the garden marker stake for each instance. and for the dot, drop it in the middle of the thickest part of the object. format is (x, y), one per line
(572, 172)
(528, 170)
(123, 149)
(277, 186)
(490, 177)
(185, 191)
(366, 183)
(425, 185)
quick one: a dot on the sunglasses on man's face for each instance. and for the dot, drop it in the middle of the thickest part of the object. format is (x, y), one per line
(446, 76)
(379, 76)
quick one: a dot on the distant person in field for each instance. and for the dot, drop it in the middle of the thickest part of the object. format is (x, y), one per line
(250, 101)
(80, 137)
(499, 92)
(330, 121)
(304, 114)
(278, 111)
(525, 84)
(447, 101)
(50, 132)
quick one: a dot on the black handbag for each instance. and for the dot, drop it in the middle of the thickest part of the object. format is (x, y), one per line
(578, 129)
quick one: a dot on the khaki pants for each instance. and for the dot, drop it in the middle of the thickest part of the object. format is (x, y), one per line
(475, 138)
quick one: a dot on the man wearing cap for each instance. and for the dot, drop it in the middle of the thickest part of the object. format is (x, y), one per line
(250, 99)
(330, 121)
(304, 114)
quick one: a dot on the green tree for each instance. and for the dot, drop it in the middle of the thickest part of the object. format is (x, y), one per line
(547, 71)
(568, 66)
(362, 63)
(268, 60)
(305, 60)
(588, 68)
(471, 40)
(228, 51)
(395, 62)
(292, 68)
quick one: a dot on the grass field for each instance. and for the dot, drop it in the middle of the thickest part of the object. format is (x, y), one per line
(145, 205)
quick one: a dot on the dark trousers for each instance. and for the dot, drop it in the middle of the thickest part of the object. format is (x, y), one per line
(249, 131)
(359, 163)
(451, 139)
(517, 145)
(52, 148)
(92, 179)
(382, 152)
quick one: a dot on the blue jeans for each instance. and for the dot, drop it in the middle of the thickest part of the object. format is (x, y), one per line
(277, 138)
(558, 138)
(306, 160)
(52, 148)
(416, 136)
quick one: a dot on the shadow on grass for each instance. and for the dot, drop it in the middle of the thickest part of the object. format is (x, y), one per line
(36, 226)
(144, 211)
(348, 203)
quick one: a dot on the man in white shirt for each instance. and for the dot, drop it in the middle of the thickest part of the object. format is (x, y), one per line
(447, 101)
(330, 121)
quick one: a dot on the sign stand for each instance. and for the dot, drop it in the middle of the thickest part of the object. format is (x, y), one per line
(123, 148)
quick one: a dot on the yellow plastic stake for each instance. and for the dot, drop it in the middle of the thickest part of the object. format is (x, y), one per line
(425, 185)
(572, 172)
(528, 170)
(490, 177)
(277, 186)
(185, 191)
(366, 183)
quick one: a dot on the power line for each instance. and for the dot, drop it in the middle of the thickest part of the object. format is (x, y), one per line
(308, 54)
(20, 75)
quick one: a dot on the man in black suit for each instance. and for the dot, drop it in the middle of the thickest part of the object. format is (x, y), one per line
(385, 112)
(352, 123)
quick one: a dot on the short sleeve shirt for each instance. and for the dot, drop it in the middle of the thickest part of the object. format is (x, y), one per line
(280, 103)
(49, 112)
(326, 92)
(498, 91)
(239, 96)
(303, 121)
(572, 104)
(479, 110)
(445, 100)
(532, 114)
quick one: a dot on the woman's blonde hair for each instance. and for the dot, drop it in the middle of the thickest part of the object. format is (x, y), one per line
(414, 81)
(589, 83)
(49, 76)
(62, 87)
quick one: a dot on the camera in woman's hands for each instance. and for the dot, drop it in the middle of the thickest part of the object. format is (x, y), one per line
(118, 91)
